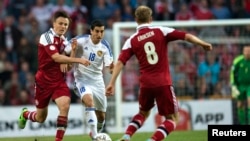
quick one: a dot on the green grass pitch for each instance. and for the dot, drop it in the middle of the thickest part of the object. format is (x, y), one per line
(174, 136)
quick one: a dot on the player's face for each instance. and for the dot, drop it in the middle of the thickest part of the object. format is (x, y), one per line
(246, 52)
(60, 25)
(97, 34)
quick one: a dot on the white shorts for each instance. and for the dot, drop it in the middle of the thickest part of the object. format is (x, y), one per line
(97, 89)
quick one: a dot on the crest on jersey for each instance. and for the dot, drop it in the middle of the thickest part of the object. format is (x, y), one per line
(99, 53)
(52, 47)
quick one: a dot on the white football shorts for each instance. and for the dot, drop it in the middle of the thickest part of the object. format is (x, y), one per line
(97, 89)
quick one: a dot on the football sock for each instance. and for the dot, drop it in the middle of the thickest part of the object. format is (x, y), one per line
(30, 115)
(61, 127)
(241, 116)
(91, 120)
(136, 123)
(163, 130)
(100, 126)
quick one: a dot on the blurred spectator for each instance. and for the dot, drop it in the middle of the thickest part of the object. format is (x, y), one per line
(203, 12)
(79, 19)
(24, 25)
(10, 39)
(246, 7)
(23, 73)
(161, 10)
(19, 7)
(219, 10)
(3, 10)
(128, 14)
(184, 14)
(12, 87)
(5, 73)
(62, 5)
(208, 72)
(3, 98)
(42, 14)
(23, 98)
(101, 11)
(24, 51)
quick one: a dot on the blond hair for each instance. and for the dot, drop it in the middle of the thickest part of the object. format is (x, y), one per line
(143, 14)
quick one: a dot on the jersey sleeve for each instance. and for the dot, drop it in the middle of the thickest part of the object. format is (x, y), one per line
(172, 34)
(126, 52)
(234, 70)
(47, 42)
(108, 56)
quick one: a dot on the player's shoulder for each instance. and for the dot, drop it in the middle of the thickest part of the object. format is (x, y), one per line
(238, 59)
(47, 38)
(105, 43)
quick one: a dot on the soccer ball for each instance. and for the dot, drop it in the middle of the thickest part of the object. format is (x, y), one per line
(103, 137)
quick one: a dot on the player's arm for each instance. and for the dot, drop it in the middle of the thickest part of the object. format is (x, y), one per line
(233, 78)
(195, 40)
(116, 71)
(59, 58)
(67, 66)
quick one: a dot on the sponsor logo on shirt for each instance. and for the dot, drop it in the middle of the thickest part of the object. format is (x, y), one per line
(99, 53)
(52, 47)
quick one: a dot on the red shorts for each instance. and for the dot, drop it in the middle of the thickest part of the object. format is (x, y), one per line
(164, 97)
(44, 93)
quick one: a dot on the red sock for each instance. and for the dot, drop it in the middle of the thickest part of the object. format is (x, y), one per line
(30, 115)
(61, 127)
(163, 130)
(135, 124)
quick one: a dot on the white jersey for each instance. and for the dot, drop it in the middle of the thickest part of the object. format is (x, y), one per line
(89, 80)
(99, 55)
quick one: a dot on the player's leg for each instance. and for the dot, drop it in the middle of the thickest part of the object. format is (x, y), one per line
(241, 108)
(248, 105)
(61, 96)
(146, 101)
(100, 120)
(100, 101)
(42, 99)
(168, 107)
(86, 95)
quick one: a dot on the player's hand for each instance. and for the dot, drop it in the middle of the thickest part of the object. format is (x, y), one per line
(110, 90)
(85, 62)
(64, 68)
(74, 44)
(235, 91)
(207, 46)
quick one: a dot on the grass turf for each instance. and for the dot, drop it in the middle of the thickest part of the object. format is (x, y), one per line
(174, 136)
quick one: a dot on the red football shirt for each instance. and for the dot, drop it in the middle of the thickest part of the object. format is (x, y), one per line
(149, 45)
(49, 72)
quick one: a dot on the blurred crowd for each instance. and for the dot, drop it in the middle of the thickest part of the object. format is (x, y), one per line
(194, 73)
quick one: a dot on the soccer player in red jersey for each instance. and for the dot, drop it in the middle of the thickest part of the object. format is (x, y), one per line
(50, 80)
(149, 45)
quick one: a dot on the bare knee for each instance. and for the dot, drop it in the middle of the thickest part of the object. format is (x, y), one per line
(145, 113)
(88, 100)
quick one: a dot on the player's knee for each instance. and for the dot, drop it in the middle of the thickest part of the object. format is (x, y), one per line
(145, 113)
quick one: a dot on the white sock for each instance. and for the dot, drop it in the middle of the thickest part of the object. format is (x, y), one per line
(91, 120)
(100, 126)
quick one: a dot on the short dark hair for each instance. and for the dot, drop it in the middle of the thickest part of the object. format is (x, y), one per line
(97, 23)
(60, 13)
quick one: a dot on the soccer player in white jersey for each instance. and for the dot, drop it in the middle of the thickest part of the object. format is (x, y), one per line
(89, 83)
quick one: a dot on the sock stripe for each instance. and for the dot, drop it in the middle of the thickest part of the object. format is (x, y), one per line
(90, 109)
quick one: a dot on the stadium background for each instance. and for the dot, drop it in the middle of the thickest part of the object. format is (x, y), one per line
(22, 21)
